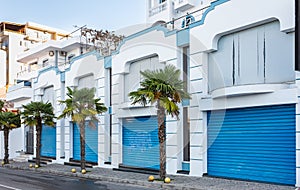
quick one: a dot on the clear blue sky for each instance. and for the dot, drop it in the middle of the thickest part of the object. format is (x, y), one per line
(63, 14)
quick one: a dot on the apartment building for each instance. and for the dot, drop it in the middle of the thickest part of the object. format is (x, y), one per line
(238, 62)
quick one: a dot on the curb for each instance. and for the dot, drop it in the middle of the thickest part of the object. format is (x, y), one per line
(155, 185)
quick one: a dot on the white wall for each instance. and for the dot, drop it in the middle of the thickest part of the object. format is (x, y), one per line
(88, 65)
(2, 68)
(204, 39)
(148, 45)
(14, 49)
(223, 20)
(39, 85)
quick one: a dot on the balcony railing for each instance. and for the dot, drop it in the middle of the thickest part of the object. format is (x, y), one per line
(182, 5)
(27, 73)
(23, 84)
(184, 21)
(161, 7)
(20, 91)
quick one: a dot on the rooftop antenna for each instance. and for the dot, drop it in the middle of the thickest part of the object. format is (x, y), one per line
(77, 28)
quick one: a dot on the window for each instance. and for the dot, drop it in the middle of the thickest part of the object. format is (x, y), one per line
(185, 114)
(48, 95)
(33, 66)
(162, 1)
(45, 62)
(255, 56)
(86, 82)
(133, 78)
(186, 134)
(70, 57)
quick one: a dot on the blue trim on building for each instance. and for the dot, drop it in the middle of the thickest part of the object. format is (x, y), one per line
(107, 62)
(185, 166)
(166, 32)
(109, 110)
(185, 102)
(95, 53)
(212, 7)
(62, 76)
(183, 38)
(45, 70)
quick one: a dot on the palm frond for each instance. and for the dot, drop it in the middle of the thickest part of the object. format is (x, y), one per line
(9, 120)
(81, 105)
(161, 85)
(35, 110)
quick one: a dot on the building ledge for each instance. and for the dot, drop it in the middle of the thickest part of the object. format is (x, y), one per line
(248, 90)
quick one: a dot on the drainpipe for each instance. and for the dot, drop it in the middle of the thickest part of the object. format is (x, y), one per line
(56, 58)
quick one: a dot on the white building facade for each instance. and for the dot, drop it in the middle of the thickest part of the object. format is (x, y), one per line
(238, 61)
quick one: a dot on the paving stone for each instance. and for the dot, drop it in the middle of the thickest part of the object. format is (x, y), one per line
(179, 182)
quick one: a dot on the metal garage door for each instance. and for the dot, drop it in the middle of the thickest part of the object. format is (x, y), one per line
(48, 141)
(253, 144)
(140, 142)
(91, 143)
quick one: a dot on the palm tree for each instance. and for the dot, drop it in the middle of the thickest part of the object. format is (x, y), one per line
(1, 105)
(35, 114)
(8, 121)
(81, 106)
(164, 88)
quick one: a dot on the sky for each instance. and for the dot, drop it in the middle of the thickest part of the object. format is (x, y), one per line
(65, 14)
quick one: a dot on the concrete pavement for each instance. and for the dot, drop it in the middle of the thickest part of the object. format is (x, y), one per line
(179, 182)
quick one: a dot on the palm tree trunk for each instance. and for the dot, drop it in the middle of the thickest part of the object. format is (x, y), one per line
(82, 145)
(162, 140)
(38, 142)
(6, 155)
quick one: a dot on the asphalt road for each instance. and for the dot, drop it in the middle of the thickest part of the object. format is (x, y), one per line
(28, 180)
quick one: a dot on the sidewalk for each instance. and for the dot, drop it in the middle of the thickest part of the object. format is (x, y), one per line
(178, 182)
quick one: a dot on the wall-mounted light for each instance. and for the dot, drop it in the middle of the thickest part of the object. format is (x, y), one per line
(51, 53)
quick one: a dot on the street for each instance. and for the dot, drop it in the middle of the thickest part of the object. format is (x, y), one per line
(28, 180)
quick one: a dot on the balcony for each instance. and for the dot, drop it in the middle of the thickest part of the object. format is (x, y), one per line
(20, 91)
(33, 70)
(158, 9)
(183, 5)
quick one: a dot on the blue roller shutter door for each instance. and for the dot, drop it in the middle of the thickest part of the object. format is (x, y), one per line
(91, 143)
(48, 141)
(140, 142)
(253, 144)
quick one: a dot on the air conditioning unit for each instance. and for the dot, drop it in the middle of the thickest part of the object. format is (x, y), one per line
(63, 53)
